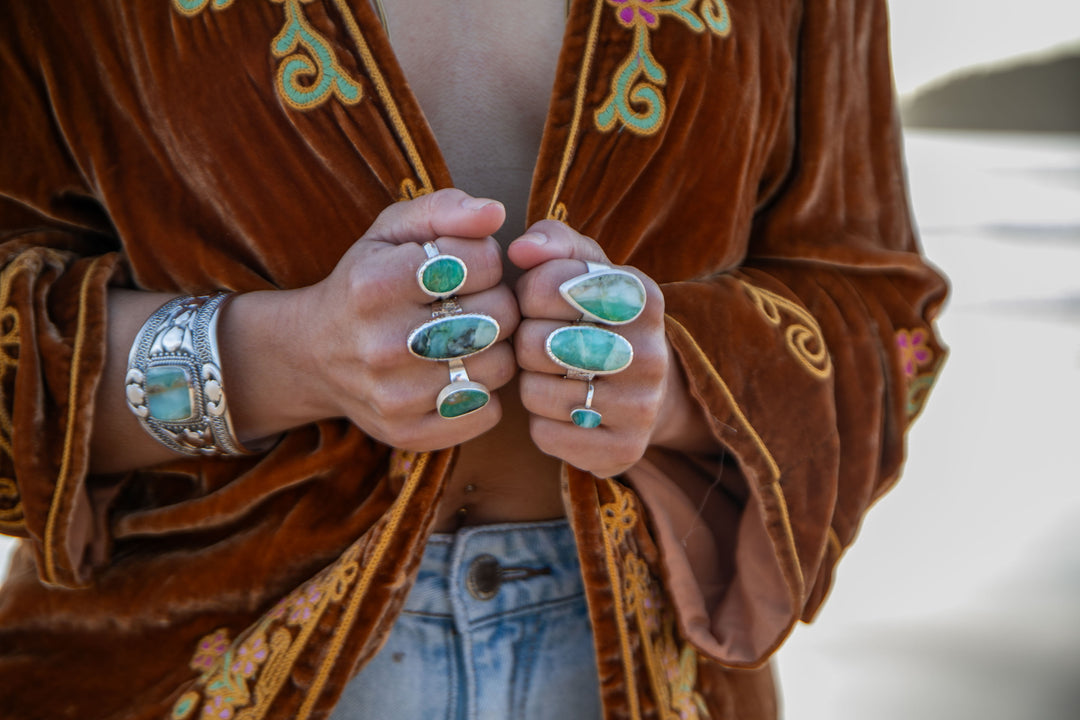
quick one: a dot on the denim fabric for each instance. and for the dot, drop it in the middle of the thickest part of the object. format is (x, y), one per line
(496, 627)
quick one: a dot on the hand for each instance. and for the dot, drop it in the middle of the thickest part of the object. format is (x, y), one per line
(354, 324)
(636, 403)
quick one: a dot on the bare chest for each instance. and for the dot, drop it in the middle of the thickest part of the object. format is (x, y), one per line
(482, 71)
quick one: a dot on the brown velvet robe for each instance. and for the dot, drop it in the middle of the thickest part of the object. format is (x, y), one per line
(744, 154)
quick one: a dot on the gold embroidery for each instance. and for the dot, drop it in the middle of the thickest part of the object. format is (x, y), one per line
(12, 519)
(267, 652)
(225, 682)
(615, 516)
(388, 102)
(579, 108)
(397, 513)
(51, 541)
(804, 338)
(636, 101)
(672, 669)
(303, 81)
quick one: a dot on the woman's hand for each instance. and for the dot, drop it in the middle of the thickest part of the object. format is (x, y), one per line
(645, 404)
(342, 341)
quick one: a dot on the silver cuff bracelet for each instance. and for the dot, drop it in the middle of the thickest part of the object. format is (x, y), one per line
(174, 383)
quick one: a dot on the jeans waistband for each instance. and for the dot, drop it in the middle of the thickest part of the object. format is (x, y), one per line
(484, 571)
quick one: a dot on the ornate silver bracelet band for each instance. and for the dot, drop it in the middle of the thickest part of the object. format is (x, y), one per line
(174, 383)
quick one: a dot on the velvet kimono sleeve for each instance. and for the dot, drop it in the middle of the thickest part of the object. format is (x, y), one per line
(811, 359)
(57, 255)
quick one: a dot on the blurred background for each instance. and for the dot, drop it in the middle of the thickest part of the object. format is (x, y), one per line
(961, 598)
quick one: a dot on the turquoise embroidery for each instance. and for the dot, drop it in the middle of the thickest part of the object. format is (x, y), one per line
(303, 80)
(636, 100)
(329, 77)
(194, 7)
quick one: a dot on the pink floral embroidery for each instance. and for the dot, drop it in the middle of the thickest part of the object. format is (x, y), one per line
(250, 655)
(914, 352)
(218, 709)
(641, 8)
(305, 604)
(210, 648)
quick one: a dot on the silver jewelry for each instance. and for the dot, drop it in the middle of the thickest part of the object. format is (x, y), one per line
(452, 333)
(605, 294)
(441, 276)
(584, 416)
(587, 350)
(462, 396)
(174, 382)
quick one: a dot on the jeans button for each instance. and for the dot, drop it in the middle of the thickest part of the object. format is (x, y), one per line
(483, 579)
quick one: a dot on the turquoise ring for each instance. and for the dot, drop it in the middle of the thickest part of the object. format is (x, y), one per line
(586, 350)
(584, 416)
(452, 334)
(605, 294)
(462, 396)
(441, 276)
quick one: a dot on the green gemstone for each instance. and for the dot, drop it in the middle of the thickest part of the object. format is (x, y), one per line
(585, 417)
(455, 336)
(614, 297)
(168, 393)
(443, 275)
(589, 349)
(462, 402)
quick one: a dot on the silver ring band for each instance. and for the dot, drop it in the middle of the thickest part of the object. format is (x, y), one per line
(584, 416)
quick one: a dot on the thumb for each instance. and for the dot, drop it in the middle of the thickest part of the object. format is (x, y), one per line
(553, 240)
(450, 212)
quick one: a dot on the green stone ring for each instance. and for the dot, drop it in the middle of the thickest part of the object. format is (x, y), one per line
(462, 396)
(605, 294)
(584, 416)
(453, 335)
(440, 276)
(586, 350)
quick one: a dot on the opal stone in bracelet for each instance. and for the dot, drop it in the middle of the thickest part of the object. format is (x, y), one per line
(174, 382)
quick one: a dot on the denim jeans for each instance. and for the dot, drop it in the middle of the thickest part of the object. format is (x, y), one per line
(495, 628)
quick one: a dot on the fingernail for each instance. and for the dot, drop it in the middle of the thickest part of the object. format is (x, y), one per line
(536, 238)
(471, 203)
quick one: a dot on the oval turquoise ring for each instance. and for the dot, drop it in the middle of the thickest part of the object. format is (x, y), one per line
(605, 294)
(462, 396)
(587, 350)
(440, 276)
(453, 334)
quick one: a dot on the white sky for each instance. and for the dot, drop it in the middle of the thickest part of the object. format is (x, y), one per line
(931, 38)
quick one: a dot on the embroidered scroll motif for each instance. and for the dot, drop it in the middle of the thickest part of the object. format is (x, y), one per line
(916, 355)
(672, 670)
(671, 665)
(11, 510)
(803, 335)
(240, 679)
(636, 100)
(309, 73)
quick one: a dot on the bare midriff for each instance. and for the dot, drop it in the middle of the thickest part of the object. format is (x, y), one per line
(482, 70)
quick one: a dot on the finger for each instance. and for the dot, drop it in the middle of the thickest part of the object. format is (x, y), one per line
(449, 212)
(550, 240)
